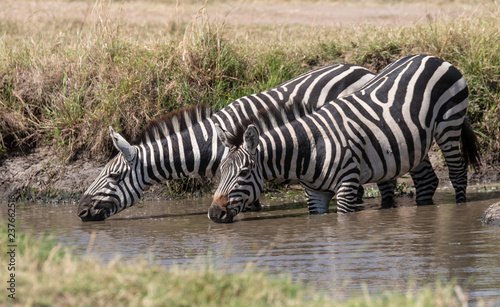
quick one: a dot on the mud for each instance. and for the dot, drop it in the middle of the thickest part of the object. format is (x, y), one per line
(491, 215)
(42, 175)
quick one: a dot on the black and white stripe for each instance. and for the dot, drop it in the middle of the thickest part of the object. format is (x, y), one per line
(184, 144)
(376, 134)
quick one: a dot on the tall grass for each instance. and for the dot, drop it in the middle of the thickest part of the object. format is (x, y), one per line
(68, 80)
(49, 274)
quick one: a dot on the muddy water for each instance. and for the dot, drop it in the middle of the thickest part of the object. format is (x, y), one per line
(382, 249)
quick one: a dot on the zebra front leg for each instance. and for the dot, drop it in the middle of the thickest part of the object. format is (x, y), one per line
(426, 182)
(386, 189)
(347, 197)
(253, 207)
(318, 201)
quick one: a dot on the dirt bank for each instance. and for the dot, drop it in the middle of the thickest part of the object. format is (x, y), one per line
(39, 175)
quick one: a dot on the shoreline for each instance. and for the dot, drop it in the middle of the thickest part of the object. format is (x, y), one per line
(42, 176)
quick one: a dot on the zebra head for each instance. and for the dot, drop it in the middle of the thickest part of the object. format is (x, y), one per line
(241, 180)
(113, 190)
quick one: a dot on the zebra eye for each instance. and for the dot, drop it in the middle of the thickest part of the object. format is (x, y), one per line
(244, 172)
(114, 176)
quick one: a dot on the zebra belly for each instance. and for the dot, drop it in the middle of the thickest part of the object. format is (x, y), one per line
(389, 158)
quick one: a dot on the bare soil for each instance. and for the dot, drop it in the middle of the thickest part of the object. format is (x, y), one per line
(41, 175)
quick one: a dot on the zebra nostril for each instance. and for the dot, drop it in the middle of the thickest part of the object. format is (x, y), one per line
(83, 213)
(219, 215)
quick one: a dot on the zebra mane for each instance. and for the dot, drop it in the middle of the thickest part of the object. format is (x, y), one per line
(174, 122)
(268, 119)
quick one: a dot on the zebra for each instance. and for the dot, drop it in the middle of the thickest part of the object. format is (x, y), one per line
(184, 143)
(377, 133)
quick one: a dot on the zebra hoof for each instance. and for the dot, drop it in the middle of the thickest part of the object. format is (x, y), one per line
(425, 202)
(318, 211)
(387, 205)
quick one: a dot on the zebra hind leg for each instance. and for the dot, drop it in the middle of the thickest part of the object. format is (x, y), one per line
(426, 182)
(318, 201)
(386, 189)
(361, 192)
(457, 160)
(456, 167)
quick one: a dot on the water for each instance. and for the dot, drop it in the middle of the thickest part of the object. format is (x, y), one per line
(381, 249)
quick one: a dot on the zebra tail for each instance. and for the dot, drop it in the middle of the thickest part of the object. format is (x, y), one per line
(470, 146)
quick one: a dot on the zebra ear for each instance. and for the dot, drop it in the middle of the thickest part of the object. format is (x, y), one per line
(128, 151)
(251, 138)
(223, 135)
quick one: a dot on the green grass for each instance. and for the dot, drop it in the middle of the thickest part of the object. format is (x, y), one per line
(49, 274)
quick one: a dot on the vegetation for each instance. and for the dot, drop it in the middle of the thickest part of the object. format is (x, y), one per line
(64, 81)
(48, 274)
(66, 78)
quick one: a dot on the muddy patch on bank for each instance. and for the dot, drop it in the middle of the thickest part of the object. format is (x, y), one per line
(42, 175)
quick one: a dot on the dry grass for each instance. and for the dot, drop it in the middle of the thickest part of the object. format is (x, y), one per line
(69, 69)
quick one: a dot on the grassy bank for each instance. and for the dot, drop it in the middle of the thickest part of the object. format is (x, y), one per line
(64, 80)
(48, 274)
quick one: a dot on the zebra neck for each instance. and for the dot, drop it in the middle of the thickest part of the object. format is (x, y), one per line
(191, 153)
(286, 160)
(298, 151)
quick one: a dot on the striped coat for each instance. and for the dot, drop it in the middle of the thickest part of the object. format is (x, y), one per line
(378, 133)
(184, 144)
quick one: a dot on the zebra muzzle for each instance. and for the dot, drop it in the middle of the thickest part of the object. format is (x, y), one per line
(220, 215)
(89, 210)
(94, 214)
(219, 212)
